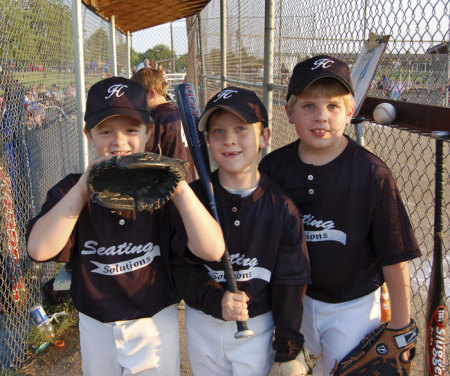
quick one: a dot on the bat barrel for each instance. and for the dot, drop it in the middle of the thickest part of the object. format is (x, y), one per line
(437, 313)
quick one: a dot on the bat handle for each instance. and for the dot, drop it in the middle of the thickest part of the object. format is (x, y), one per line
(243, 330)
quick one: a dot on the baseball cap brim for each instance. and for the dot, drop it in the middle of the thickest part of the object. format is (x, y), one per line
(100, 116)
(299, 88)
(203, 122)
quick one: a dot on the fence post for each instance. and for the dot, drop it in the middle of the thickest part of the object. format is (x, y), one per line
(223, 42)
(79, 78)
(128, 72)
(113, 46)
(269, 30)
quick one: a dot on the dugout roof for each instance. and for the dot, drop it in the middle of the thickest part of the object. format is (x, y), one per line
(135, 15)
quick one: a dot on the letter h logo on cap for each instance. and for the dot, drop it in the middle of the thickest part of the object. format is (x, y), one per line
(116, 89)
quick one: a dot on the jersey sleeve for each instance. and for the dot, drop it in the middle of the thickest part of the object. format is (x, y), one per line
(292, 265)
(54, 195)
(196, 287)
(287, 310)
(392, 234)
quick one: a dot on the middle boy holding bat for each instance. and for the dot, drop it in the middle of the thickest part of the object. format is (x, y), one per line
(265, 239)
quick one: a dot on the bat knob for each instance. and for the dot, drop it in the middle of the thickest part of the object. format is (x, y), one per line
(244, 333)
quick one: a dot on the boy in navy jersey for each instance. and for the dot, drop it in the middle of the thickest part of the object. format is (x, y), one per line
(121, 281)
(168, 132)
(357, 230)
(264, 236)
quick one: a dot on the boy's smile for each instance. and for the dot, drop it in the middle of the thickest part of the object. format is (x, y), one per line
(118, 135)
(235, 147)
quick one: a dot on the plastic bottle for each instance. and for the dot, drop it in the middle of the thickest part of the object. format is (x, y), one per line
(41, 320)
(385, 304)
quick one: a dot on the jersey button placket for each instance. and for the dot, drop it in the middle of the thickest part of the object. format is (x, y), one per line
(236, 222)
(311, 190)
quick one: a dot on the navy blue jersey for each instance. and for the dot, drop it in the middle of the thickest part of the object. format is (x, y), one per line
(354, 219)
(169, 135)
(264, 237)
(120, 261)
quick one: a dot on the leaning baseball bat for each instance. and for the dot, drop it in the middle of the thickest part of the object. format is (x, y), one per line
(437, 314)
(190, 114)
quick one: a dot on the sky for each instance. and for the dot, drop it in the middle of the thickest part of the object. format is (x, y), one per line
(148, 38)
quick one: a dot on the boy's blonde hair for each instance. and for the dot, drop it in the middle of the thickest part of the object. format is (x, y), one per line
(150, 78)
(327, 86)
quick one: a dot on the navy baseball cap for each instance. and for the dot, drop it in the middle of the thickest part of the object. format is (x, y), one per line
(242, 103)
(321, 66)
(116, 96)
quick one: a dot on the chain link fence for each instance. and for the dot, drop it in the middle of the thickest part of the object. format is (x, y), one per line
(39, 142)
(415, 69)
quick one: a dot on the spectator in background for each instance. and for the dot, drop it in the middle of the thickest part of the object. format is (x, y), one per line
(168, 133)
(43, 95)
(143, 64)
(57, 97)
(383, 84)
(397, 88)
(162, 71)
(33, 110)
(13, 92)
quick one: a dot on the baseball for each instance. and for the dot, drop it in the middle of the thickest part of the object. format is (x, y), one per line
(384, 113)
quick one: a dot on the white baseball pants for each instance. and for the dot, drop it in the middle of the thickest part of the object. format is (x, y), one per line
(144, 347)
(335, 329)
(213, 350)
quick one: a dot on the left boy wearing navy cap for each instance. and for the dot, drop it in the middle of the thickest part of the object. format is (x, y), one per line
(121, 280)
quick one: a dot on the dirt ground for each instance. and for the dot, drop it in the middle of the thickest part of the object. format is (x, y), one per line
(54, 361)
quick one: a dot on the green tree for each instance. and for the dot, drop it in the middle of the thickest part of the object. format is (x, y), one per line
(181, 62)
(158, 52)
(97, 48)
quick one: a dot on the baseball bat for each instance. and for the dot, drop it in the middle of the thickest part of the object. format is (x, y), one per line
(437, 313)
(190, 114)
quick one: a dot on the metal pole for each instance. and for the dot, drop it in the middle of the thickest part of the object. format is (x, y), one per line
(223, 43)
(239, 39)
(202, 92)
(269, 30)
(128, 68)
(171, 46)
(79, 79)
(113, 46)
(280, 74)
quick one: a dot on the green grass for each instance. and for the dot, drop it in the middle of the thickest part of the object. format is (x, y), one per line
(62, 79)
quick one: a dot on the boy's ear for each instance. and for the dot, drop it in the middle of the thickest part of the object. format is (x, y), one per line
(350, 115)
(289, 114)
(88, 135)
(264, 138)
(151, 93)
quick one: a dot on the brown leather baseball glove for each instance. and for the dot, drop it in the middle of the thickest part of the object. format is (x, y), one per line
(379, 353)
(140, 181)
